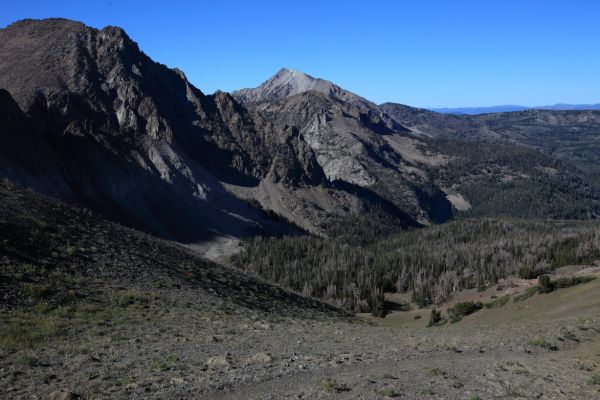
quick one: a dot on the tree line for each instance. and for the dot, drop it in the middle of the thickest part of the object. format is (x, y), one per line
(352, 269)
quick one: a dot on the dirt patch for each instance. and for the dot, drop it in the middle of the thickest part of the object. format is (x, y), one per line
(408, 149)
(457, 200)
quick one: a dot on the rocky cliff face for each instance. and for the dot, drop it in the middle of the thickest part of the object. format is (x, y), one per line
(89, 118)
(355, 141)
(99, 123)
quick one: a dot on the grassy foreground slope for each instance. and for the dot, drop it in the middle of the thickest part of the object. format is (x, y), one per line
(75, 288)
(96, 311)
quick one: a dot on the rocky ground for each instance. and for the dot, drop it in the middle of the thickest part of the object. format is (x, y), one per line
(93, 310)
(173, 352)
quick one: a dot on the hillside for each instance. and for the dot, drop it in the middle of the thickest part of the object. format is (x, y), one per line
(90, 309)
(296, 240)
(430, 265)
(59, 255)
(570, 135)
(73, 280)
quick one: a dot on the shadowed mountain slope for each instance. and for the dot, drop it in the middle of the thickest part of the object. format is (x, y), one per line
(87, 117)
(104, 126)
(124, 135)
(77, 257)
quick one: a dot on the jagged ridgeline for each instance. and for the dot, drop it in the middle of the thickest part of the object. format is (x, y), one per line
(432, 263)
(86, 116)
(89, 118)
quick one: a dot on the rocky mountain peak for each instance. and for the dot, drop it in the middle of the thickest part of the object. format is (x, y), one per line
(291, 72)
(46, 24)
(86, 116)
(285, 83)
(288, 82)
(297, 81)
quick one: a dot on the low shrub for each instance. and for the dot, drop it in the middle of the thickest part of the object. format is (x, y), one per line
(332, 386)
(463, 309)
(376, 304)
(526, 294)
(594, 380)
(546, 285)
(436, 371)
(163, 364)
(435, 318)
(132, 297)
(498, 302)
(29, 360)
(544, 344)
(581, 366)
(573, 281)
(26, 330)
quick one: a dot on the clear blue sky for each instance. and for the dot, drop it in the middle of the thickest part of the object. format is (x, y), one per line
(423, 53)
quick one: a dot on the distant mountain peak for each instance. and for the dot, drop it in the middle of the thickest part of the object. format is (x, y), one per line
(289, 82)
(299, 81)
(285, 83)
(290, 72)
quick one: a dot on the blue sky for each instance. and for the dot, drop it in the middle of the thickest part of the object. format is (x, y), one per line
(422, 53)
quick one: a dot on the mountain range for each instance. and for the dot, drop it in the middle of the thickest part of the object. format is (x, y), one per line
(289, 241)
(86, 116)
(512, 108)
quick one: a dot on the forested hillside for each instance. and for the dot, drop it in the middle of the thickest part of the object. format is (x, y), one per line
(432, 262)
(501, 179)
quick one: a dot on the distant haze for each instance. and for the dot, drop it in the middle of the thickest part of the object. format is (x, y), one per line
(511, 108)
